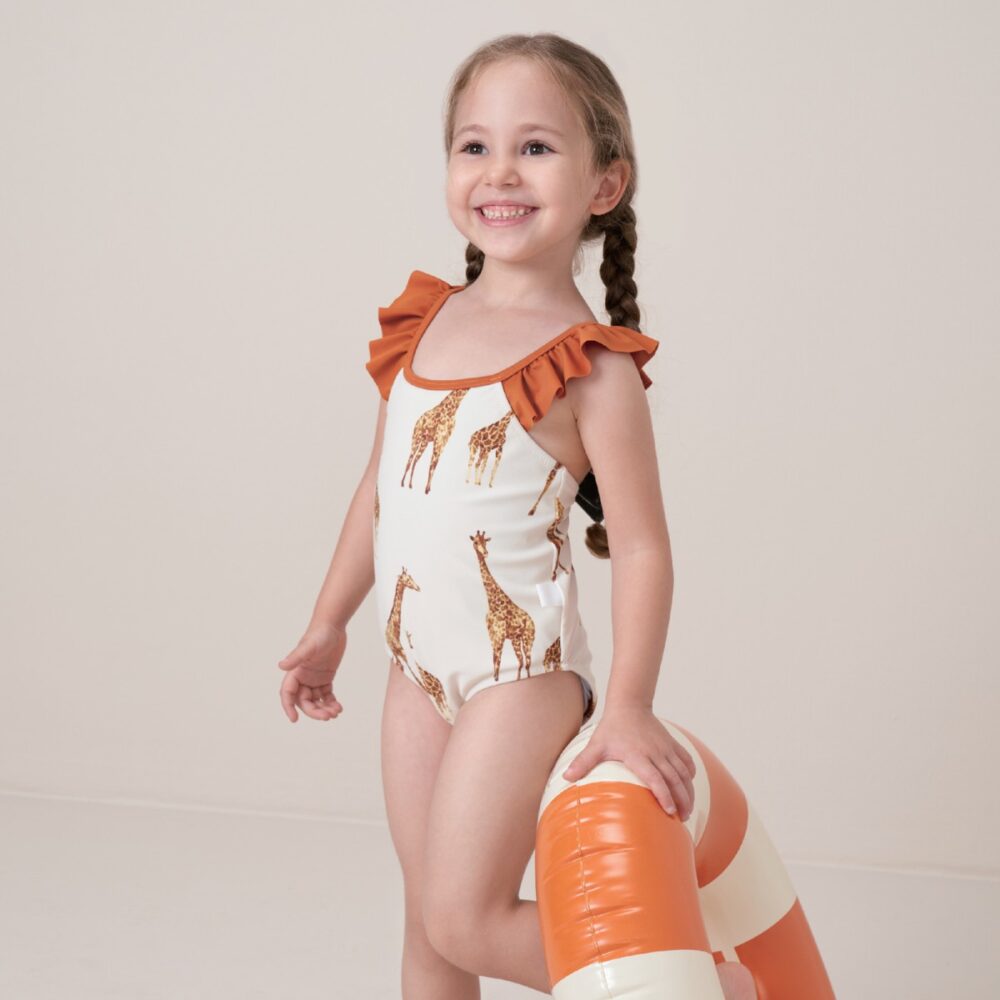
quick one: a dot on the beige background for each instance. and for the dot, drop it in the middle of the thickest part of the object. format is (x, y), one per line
(202, 207)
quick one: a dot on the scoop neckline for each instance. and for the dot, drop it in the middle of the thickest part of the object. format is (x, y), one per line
(462, 383)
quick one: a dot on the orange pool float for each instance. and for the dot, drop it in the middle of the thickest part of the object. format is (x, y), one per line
(634, 903)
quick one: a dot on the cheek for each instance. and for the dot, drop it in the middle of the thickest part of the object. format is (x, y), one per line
(461, 178)
(562, 188)
(458, 201)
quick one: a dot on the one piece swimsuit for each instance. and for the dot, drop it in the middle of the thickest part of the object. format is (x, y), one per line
(474, 576)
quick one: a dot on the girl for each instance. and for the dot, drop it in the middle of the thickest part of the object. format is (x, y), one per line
(503, 402)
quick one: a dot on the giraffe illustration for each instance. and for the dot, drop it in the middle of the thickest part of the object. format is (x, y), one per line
(487, 439)
(433, 427)
(553, 661)
(433, 688)
(431, 685)
(553, 656)
(436, 692)
(375, 508)
(504, 619)
(403, 582)
(557, 537)
(548, 482)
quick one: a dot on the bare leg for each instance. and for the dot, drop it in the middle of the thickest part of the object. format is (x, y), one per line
(483, 818)
(521, 959)
(428, 976)
(414, 737)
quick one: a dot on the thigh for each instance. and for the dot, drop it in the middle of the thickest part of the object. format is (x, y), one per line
(484, 814)
(414, 737)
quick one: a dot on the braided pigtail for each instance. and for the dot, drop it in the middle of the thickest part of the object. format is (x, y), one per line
(618, 267)
(617, 273)
(474, 258)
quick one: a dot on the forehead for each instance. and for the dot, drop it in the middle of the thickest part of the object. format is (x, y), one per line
(511, 94)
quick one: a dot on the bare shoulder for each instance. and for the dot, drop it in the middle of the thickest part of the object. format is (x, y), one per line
(613, 374)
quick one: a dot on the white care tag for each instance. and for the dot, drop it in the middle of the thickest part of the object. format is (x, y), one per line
(549, 593)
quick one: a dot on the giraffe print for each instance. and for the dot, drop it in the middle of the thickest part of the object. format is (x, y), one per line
(483, 441)
(433, 427)
(435, 689)
(375, 511)
(431, 686)
(504, 619)
(548, 482)
(524, 592)
(557, 537)
(553, 656)
(404, 582)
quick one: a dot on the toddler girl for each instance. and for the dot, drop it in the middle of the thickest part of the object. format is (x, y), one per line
(503, 403)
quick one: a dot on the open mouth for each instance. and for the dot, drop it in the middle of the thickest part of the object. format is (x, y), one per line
(508, 213)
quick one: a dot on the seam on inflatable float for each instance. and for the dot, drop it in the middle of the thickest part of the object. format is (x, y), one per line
(586, 896)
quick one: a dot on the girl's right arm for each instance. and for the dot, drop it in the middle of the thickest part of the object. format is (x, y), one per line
(311, 666)
(352, 569)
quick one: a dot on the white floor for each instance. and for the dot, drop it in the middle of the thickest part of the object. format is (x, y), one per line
(121, 901)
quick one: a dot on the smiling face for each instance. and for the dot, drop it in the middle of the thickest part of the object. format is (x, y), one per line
(520, 182)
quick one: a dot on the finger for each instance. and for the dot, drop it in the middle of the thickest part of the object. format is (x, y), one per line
(579, 767)
(296, 657)
(656, 783)
(325, 705)
(309, 704)
(688, 784)
(682, 792)
(287, 694)
(331, 704)
(680, 752)
(291, 661)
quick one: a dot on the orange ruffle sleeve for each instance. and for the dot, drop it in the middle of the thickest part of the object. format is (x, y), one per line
(399, 321)
(532, 388)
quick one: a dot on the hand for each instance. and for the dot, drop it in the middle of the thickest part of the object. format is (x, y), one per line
(310, 668)
(637, 738)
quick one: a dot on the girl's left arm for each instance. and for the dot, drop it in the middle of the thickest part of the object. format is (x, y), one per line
(616, 430)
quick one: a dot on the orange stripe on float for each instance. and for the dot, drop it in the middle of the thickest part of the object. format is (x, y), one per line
(785, 961)
(726, 825)
(615, 876)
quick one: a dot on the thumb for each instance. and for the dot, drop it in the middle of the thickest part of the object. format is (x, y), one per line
(295, 657)
(581, 764)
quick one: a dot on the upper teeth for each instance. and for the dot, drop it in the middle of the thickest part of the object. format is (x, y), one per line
(504, 213)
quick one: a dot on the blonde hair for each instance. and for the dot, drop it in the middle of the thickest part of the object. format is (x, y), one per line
(594, 94)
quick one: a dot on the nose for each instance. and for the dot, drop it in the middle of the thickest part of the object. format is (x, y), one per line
(502, 170)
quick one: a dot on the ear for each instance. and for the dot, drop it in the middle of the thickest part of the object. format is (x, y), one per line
(612, 186)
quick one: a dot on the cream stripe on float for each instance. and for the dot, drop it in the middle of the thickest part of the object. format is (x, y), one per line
(752, 894)
(691, 976)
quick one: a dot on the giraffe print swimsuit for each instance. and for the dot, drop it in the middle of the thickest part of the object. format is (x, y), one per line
(474, 576)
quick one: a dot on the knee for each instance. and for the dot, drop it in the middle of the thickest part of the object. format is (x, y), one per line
(439, 926)
(452, 929)
(425, 931)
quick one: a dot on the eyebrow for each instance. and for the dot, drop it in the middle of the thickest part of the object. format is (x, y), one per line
(527, 127)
